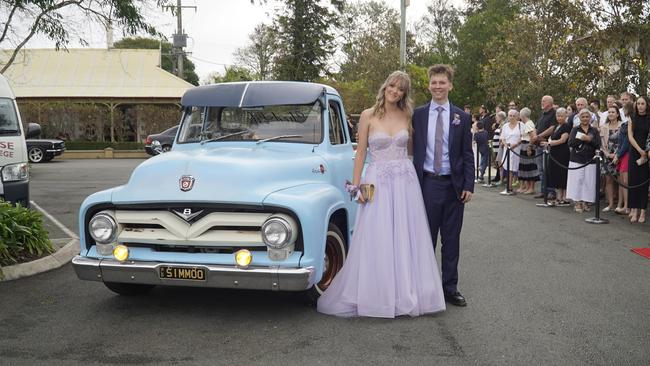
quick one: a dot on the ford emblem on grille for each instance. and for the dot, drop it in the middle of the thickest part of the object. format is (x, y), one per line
(187, 214)
(186, 182)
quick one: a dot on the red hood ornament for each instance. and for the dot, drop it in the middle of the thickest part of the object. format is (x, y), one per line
(186, 182)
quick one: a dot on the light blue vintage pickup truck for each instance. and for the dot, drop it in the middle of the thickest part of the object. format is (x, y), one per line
(251, 196)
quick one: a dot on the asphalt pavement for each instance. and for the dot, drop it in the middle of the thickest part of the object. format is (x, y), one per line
(543, 287)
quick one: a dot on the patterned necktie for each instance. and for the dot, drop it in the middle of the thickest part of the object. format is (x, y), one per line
(437, 150)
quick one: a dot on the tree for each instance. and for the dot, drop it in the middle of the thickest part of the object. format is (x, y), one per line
(305, 40)
(166, 50)
(370, 47)
(437, 29)
(257, 56)
(543, 52)
(233, 73)
(48, 18)
(623, 38)
(484, 21)
(369, 52)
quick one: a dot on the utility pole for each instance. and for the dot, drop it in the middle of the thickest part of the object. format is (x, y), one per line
(179, 38)
(402, 35)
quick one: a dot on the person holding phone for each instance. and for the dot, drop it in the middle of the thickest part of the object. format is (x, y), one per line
(581, 183)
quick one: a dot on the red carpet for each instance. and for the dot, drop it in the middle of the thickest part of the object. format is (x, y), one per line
(644, 252)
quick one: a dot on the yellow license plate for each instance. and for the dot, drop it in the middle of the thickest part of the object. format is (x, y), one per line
(182, 273)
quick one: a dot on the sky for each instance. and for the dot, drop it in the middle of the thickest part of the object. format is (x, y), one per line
(215, 28)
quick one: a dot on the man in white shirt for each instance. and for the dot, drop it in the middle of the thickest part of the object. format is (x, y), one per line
(581, 103)
(611, 103)
(626, 97)
(602, 116)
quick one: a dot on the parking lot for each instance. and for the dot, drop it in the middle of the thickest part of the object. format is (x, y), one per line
(565, 293)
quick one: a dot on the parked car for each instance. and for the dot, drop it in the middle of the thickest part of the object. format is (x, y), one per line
(250, 196)
(165, 139)
(41, 150)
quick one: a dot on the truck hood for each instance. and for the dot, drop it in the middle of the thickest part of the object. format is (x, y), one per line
(241, 175)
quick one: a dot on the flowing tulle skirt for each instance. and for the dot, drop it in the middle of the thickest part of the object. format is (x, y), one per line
(391, 268)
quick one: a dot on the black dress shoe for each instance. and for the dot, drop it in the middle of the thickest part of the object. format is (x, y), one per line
(455, 298)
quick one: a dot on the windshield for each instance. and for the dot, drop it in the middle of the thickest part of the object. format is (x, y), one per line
(287, 123)
(8, 117)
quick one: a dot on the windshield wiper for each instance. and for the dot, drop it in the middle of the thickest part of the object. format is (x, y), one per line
(225, 136)
(3, 130)
(278, 137)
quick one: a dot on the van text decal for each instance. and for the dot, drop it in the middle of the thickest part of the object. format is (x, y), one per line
(7, 149)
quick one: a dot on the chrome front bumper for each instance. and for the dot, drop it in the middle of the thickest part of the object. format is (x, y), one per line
(267, 278)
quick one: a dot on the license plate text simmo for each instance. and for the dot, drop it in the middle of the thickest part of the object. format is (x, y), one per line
(182, 273)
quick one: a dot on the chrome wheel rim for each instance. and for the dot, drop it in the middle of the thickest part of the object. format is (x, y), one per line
(35, 155)
(333, 261)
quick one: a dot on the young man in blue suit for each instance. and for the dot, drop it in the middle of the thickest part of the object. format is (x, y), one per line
(444, 163)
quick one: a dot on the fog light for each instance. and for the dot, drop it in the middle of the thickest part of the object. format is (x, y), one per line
(121, 252)
(243, 257)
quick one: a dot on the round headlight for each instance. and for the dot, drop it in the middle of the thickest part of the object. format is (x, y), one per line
(102, 228)
(276, 232)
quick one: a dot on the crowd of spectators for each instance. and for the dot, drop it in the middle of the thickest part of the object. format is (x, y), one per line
(575, 136)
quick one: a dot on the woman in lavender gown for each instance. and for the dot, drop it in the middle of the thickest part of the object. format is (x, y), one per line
(391, 268)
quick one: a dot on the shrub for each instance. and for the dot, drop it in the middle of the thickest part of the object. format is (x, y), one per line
(22, 236)
(98, 145)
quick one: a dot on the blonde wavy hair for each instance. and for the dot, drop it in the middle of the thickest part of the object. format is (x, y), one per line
(405, 104)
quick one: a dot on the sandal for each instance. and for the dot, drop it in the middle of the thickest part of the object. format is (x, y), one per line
(642, 217)
(578, 209)
(607, 209)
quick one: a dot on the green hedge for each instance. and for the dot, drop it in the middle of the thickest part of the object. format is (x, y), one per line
(22, 235)
(98, 145)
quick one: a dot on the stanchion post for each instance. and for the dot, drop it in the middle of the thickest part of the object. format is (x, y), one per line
(597, 219)
(477, 166)
(544, 184)
(508, 188)
(489, 171)
(508, 191)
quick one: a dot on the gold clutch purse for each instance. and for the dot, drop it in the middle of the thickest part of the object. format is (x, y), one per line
(367, 191)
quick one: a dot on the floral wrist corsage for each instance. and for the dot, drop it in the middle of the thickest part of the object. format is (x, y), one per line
(352, 189)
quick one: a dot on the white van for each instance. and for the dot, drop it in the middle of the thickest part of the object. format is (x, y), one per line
(14, 182)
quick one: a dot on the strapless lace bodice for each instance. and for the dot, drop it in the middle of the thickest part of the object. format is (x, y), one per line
(389, 156)
(383, 146)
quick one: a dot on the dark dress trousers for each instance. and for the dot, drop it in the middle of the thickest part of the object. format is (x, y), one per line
(442, 193)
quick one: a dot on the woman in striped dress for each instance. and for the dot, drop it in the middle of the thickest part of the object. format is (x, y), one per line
(528, 172)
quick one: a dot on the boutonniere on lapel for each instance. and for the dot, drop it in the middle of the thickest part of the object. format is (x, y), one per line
(456, 120)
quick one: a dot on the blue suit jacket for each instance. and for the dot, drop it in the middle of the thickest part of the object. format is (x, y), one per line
(461, 157)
